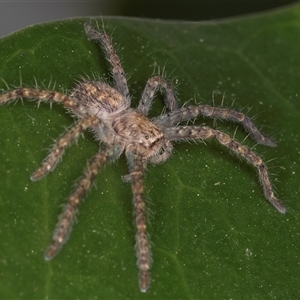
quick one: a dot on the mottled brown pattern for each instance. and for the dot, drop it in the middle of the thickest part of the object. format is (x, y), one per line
(106, 110)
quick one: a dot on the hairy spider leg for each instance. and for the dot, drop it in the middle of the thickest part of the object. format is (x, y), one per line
(136, 166)
(112, 57)
(204, 132)
(66, 219)
(189, 112)
(40, 95)
(153, 84)
(59, 147)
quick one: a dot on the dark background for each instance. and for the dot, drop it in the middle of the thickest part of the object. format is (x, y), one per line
(16, 15)
(196, 10)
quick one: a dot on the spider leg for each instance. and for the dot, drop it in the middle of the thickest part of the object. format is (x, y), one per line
(58, 149)
(116, 67)
(66, 219)
(190, 112)
(143, 253)
(41, 95)
(204, 132)
(152, 85)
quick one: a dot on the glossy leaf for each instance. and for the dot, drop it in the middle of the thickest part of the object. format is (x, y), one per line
(214, 235)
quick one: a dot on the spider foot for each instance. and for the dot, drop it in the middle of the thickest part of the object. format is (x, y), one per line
(268, 191)
(144, 280)
(38, 174)
(52, 250)
(276, 203)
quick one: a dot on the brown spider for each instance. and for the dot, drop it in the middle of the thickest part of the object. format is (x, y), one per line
(106, 110)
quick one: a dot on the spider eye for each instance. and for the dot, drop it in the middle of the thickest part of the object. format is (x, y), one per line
(150, 135)
(150, 139)
(157, 140)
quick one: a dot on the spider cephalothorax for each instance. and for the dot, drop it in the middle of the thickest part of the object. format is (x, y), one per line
(106, 110)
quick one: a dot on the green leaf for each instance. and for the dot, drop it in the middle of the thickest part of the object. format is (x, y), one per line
(214, 235)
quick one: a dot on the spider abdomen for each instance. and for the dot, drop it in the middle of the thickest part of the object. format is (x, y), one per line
(98, 99)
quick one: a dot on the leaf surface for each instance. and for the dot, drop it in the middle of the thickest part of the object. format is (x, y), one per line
(213, 234)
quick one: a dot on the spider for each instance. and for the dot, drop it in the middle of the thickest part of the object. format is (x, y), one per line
(119, 128)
